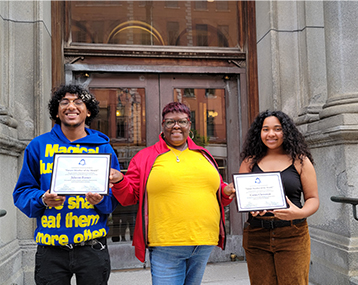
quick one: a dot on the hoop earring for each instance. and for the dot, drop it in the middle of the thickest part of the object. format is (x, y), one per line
(191, 134)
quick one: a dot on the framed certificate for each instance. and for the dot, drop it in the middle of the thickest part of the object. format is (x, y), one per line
(79, 173)
(259, 191)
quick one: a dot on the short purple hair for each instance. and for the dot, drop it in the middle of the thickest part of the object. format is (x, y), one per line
(176, 107)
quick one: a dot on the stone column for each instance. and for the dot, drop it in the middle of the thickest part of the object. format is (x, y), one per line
(25, 88)
(334, 141)
(341, 23)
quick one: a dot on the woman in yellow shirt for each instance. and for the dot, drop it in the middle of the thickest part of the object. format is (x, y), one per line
(181, 196)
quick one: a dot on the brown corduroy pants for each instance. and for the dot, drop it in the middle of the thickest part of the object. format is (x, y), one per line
(279, 256)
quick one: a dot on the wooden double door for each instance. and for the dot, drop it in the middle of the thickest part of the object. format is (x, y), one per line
(130, 114)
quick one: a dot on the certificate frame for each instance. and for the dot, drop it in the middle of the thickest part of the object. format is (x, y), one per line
(259, 191)
(80, 173)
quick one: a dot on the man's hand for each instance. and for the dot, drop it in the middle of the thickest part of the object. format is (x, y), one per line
(93, 198)
(53, 200)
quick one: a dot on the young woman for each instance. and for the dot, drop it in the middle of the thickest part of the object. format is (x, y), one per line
(277, 242)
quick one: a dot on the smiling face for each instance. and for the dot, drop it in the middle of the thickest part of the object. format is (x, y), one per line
(74, 114)
(176, 135)
(271, 133)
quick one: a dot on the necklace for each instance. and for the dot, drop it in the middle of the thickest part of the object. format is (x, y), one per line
(177, 156)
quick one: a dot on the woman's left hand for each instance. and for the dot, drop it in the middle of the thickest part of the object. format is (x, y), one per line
(230, 190)
(114, 177)
(291, 213)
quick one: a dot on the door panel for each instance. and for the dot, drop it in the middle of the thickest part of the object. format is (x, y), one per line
(205, 96)
(147, 81)
(162, 89)
(131, 103)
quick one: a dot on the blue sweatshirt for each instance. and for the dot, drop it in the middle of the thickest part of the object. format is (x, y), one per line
(76, 220)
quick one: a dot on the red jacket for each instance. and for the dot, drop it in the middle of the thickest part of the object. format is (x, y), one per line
(132, 189)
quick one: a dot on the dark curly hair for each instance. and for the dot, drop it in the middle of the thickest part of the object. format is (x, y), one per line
(293, 141)
(82, 93)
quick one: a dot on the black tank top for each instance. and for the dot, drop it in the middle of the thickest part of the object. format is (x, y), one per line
(291, 183)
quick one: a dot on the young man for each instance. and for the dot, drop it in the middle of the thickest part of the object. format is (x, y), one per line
(71, 230)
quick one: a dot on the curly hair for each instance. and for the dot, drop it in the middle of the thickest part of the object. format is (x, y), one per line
(176, 107)
(293, 141)
(82, 93)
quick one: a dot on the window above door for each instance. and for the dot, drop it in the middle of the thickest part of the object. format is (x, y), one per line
(155, 23)
(88, 36)
(156, 29)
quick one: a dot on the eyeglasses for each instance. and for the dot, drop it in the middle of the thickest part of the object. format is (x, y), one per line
(65, 102)
(170, 123)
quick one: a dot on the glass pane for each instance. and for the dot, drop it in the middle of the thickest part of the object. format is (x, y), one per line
(208, 120)
(208, 125)
(207, 113)
(121, 223)
(122, 119)
(177, 23)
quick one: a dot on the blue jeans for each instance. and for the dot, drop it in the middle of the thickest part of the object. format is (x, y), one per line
(55, 265)
(178, 265)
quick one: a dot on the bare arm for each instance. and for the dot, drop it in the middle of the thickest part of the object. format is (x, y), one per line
(245, 166)
(310, 193)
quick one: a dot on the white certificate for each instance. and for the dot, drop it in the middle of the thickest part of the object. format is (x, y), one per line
(259, 191)
(79, 173)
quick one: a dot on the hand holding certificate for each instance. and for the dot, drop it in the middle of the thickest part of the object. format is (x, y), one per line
(78, 174)
(259, 191)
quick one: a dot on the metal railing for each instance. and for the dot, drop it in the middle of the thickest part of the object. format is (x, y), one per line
(346, 200)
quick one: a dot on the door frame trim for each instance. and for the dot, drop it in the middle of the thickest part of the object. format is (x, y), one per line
(69, 68)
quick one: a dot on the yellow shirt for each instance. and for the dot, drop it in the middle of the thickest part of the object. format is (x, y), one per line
(182, 203)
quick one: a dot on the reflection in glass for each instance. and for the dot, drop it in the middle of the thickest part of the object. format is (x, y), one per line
(200, 5)
(121, 223)
(207, 113)
(122, 119)
(208, 125)
(202, 35)
(121, 115)
(188, 92)
(179, 23)
(222, 5)
(173, 33)
(171, 4)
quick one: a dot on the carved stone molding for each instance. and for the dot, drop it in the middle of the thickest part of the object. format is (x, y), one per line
(8, 121)
(10, 146)
(340, 104)
(309, 114)
(334, 130)
(6, 118)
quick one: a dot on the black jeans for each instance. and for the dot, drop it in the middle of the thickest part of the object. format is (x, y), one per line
(55, 265)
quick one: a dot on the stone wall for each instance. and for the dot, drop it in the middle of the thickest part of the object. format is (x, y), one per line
(25, 85)
(307, 62)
